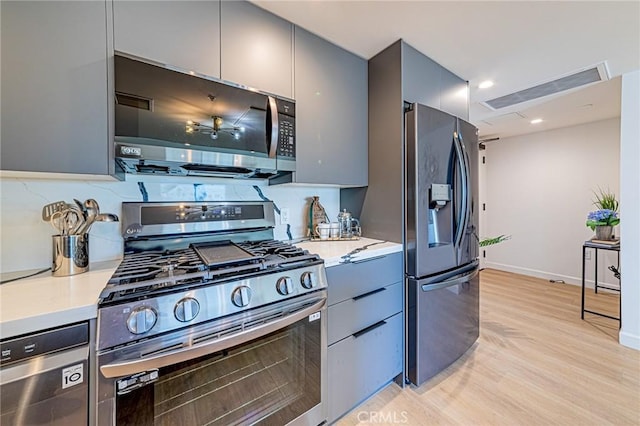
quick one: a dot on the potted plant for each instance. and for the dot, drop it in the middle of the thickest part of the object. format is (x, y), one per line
(606, 217)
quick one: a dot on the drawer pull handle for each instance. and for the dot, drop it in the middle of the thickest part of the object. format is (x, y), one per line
(362, 296)
(368, 329)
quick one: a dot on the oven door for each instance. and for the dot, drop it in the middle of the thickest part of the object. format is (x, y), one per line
(260, 367)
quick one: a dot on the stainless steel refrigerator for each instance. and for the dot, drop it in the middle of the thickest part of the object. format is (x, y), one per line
(441, 241)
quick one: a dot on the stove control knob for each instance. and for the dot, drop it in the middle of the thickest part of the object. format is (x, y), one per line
(186, 309)
(141, 320)
(284, 286)
(308, 280)
(241, 296)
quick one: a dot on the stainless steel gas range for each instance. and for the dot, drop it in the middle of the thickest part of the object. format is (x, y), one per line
(209, 321)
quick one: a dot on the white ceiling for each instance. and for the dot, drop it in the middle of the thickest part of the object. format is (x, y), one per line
(517, 44)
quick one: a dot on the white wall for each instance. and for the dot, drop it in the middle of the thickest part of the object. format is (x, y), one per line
(539, 190)
(630, 209)
(26, 241)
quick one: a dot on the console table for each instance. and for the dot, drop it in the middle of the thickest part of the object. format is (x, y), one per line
(595, 247)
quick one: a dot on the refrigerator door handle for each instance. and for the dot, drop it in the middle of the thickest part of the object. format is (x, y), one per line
(449, 274)
(453, 281)
(462, 217)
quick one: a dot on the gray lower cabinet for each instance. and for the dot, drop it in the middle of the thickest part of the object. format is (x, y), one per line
(365, 329)
(54, 87)
(256, 48)
(185, 34)
(331, 111)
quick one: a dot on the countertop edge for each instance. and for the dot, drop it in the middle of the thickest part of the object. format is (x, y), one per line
(47, 320)
(44, 302)
(74, 299)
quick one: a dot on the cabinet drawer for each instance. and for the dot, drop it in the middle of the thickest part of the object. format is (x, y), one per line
(352, 315)
(359, 366)
(353, 279)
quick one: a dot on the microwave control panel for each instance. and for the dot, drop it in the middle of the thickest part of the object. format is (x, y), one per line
(287, 137)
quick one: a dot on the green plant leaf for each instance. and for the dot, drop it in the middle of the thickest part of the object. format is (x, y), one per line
(495, 240)
(605, 200)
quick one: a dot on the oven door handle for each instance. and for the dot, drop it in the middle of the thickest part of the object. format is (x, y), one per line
(163, 359)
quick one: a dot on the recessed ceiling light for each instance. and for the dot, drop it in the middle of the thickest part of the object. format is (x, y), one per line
(536, 121)
(485, 84)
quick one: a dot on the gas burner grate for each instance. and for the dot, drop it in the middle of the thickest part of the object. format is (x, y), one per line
(139, 267)
(120, 291)
(151, 272)
(270, 247)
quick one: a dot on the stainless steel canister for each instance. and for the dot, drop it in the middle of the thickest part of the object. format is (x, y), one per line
(70, 255)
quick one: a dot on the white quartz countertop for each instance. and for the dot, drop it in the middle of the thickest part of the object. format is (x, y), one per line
(44, 301)
(332, 251)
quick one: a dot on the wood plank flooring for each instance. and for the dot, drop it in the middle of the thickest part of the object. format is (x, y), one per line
(535, 363)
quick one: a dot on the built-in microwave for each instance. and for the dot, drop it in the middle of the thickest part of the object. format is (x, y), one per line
(172, 122)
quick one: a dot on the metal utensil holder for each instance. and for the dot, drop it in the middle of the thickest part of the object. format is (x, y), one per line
(70, 254)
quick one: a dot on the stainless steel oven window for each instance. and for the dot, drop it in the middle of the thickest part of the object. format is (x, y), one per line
(272, 380)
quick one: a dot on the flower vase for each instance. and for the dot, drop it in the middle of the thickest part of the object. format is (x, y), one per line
(604, 232)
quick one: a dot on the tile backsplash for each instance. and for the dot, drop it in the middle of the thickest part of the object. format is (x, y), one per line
(26, 238)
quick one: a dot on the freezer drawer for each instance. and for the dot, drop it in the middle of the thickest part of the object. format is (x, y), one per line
(352, 315)
(362, 363)
(352, 279)
(442, 323)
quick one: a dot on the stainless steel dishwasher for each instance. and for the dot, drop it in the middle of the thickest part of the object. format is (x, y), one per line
(44, 377)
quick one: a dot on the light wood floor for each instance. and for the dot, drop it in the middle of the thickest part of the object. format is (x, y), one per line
(535, 363)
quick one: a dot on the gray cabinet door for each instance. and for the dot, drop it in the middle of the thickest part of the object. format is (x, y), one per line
(454, 96)
(357, 278)
(331, 113)
(351, 315)
(256, 48)
(420, 78)
(185, 34)
(54, 87)
(427, 82)
(363, 363)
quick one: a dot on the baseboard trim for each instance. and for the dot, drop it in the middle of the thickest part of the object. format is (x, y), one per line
(543, 274)
(629, 340)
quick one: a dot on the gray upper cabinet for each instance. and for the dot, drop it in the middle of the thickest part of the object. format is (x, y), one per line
(54, 87)
(420, 78)
(256, 48)
(427, 82)
(454, 98)
(185, 34)
(331, 113)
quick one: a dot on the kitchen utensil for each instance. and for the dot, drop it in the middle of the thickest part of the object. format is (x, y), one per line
(93, 210)
(106, 217)
(58, 223)
(81, 207)
(49, 209)
(73, 220)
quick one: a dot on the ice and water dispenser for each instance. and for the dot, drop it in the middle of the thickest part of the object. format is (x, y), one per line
(440, 228)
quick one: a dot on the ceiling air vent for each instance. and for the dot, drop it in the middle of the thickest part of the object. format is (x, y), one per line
(571, 81)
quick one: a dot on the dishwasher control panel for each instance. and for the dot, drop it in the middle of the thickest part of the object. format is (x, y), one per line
(28, 346)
